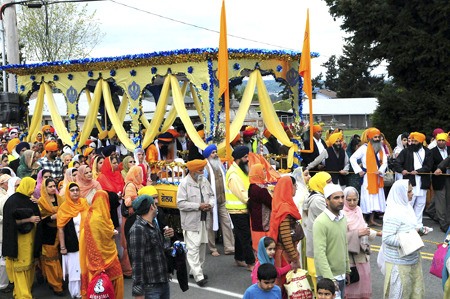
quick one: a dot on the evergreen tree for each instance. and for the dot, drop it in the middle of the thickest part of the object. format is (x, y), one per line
(317, 81)
(331, 75)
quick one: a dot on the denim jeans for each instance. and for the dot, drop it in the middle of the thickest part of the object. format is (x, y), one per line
(157, 291)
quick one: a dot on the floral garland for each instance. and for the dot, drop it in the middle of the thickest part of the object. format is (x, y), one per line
(211, 99)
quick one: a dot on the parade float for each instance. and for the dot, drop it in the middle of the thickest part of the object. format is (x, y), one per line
(164, 74)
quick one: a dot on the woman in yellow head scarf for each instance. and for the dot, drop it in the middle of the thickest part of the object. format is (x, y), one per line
(70, 223)
(50, 265)
(101, 252)
(21, 237)
(313, 207)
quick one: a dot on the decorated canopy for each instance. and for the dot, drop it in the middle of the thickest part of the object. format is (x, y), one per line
(164, 74)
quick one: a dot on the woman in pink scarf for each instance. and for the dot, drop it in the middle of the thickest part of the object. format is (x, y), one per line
(358, 236)
(88, 185)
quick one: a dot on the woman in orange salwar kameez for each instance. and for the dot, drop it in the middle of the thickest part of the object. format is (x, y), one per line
(100, 248)
(50, 264)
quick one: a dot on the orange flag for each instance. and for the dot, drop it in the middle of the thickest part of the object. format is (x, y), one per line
(305, 62)
(223, 53)
(223, 78)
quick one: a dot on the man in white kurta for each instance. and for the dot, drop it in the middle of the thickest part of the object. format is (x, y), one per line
(195, 199)
(371, 201)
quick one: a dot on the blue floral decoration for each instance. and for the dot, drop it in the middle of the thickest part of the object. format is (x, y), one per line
(204, 86)
(133, 73)
(70, 76)
(190, 70)
(237, 66)
(134, 90)
(154, 70)
(71, 95)
(35, 86)
(72, 116)
(55, 78)
(135, 111)
(22, 88)
(279, 68)
(112, 73)
(90, 73)
(33, 77)
(211, 100)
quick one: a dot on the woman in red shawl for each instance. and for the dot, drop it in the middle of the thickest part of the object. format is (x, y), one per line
(88, 185)
(282, 219)
(98, 241)
(259, 203)
(110, 177)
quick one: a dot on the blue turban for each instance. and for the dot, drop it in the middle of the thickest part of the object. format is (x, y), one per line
(240, 151)
(208, 150)
(142, 204)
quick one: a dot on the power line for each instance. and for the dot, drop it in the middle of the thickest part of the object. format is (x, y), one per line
(199, 27)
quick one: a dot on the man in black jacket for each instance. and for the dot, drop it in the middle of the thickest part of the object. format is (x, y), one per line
(319, 147)
(415, 164)
(440, 182)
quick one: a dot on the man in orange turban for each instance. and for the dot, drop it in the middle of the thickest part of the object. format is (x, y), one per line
(195, 199)
(335, 160)
(415, 163)
(319, 147)
(51, 161)
(441, 183)
(249, 141)
(374, 164)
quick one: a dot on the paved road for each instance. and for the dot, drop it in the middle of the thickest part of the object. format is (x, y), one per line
(228, 281)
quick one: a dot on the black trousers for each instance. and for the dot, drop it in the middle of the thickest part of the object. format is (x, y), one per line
(243, 250)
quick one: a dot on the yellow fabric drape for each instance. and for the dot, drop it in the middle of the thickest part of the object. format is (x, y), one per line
(158, 116)
(144, 121)
(183, 114)
(92, 116)
(115, 120)
(197, 104)
(173, 112)
(37, 117)
(89, 101)
(271, 119)
(58, 123)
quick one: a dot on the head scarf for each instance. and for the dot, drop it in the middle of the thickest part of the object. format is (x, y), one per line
(99, 238)
(45, 202)
(148, 190)
(240, 151)
(12, 144)
(355, 219)
(437, 131)
(27, 159)
(135, 175)
(196, 165)
(142, 203)
(208, 150)
(70, 208)
(263, 258)
(68, 178)
(319, 181)
(4, 178)
(39, 181)
(397, 204)
(140, 150)
(11, 185)
(256, 174)
(317, 128)
(282, 205)
(21, 146)
(26, 187)
(87, 151)
(126, 166)
(85, 184)
(95, 171)
(442, 136)
(110, 180)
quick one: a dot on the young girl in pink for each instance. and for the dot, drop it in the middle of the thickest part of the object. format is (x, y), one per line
(266, 252)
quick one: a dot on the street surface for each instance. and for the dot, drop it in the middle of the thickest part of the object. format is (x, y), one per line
(229, 281)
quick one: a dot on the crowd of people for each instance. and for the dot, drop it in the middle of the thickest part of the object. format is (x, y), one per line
(70, 217)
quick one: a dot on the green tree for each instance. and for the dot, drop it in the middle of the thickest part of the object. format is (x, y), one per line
(72, 32)
(331, 75)
(317, 81)
(354, 74)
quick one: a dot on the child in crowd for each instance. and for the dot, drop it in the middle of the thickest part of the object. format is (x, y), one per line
(266, 252)
(265, 288)
(326, 289)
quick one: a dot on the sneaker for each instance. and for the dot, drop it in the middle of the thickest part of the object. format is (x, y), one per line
(202, 283)
(204, 276)
(8, 289)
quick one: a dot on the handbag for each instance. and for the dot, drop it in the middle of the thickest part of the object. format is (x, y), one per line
(297, 232)
(124, 210)
(100, 287)
(297, 285)
(389, 178)
(354, 274)
(437, 264)
(410, 242)
(265, 211)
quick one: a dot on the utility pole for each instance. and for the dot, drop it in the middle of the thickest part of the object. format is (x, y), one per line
(12, 41)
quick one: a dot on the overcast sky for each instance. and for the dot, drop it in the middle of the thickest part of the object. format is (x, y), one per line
(132, 26)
